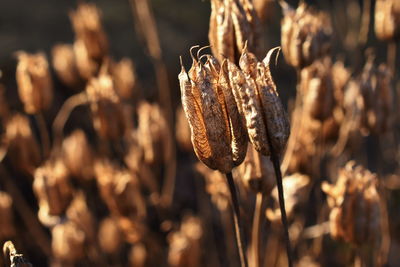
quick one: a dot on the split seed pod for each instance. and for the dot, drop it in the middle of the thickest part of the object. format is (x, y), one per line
(206, 111)
(387, 19)
(34, 82)
(265, 115)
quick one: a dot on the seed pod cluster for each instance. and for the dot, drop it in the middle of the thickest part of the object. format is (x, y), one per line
(387, 19)
(35, 87)
(108, 117)
(354, 200)
(232, 23)
(306, 34)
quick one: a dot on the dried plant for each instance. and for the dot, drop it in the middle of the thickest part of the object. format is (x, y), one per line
(65, 64)
(68, 242)
(387, 19)
(16, 259)
(109, 236)
(306, 34)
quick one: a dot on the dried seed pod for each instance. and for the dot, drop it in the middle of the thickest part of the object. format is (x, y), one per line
(184, 245)
(23, 148)
(86, 66)
(355, 206)
(387, 19)
(206, 119)
(78, 212)
(120, 190)
(257, 172)
(124, 77)
(87, 26)
(154, 132)
(265, 9)
(68, 242)
(64, 63)
(108, 116)
(34, 82)
(52, 188)
(295, 192)
(77, 155)
(317, 87)
(306, 34)
(7, 229)
(109, 236)
(138, 255)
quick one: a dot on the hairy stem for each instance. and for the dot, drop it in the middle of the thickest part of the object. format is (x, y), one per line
(236, 216)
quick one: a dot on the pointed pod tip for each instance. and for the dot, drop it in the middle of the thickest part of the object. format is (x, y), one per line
(267, 58)
(191, 51)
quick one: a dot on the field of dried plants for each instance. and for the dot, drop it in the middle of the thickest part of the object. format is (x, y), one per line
(276, 143)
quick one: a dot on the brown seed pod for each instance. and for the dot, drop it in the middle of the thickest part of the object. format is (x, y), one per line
(77, 155)
(182, 130)
(109, 236)
(86, 66)
(68, 242)
(87, 26)
(306, 34)
(108, 116)
(64, 63)
(138, 255)
(387, 19)
(23, 148)
(35, 87)
(52, 188)
(355, 206)
(7, 228)
(124, 77)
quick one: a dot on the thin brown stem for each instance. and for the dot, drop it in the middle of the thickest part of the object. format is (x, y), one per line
(236, 219)
(44, 134)
(365, 21)
(255, 235)
(69, 105)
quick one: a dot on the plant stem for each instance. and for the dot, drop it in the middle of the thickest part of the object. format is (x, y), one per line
(44, 134)
(255, 235)
(236, 216)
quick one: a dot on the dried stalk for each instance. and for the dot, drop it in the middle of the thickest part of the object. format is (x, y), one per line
(236, 219)
(69, 105)
(147, 28)
(255, 235)
(44, 134)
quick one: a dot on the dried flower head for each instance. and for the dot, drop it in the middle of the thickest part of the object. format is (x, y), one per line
(214, 135)
(87, 26)
(232, 24)
(87, 67)
(64, 63)
(387, 19)
(34, 82)
(109, 236)
(7, 229)
(306, 34)
(108, 117)
(182, 130)
(124, 77)
(77, 155)
(52, 188)
(355, 206)
(185, 244)
(153, 131)
(23, 148)
(79, 213)
(68, 242)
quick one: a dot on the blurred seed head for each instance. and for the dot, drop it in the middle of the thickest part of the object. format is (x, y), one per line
(182, 130)
(138, 255)
(109, 236)
(355, 206)
(77, 155)
(387, 19)
(35, 87)
(124, 77)
(87, 67)
(306, 34)
(108, 116)
(87, 26)
(65, 65)
(52, 187)
(68, 242)
(23, 148)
